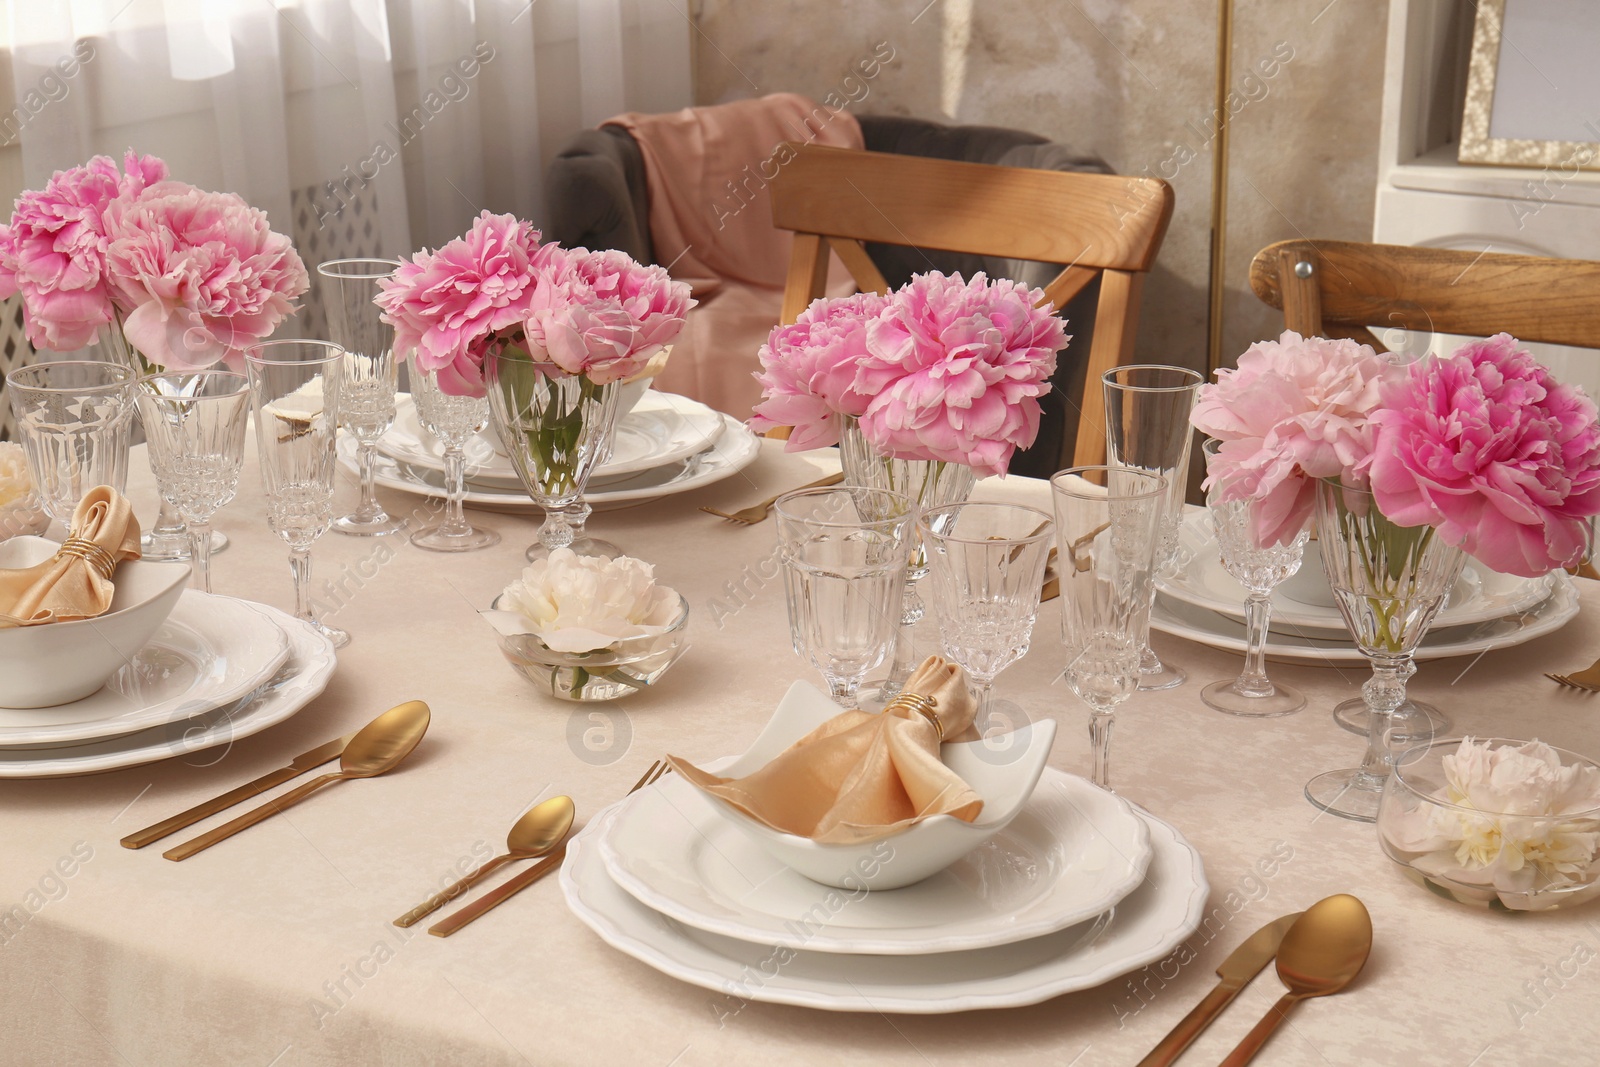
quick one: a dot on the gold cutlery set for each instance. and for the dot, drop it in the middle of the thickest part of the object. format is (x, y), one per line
(375, 749)
(1319, 952)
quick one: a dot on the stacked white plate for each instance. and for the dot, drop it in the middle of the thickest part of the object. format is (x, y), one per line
(1079, 888)
(1484, 610)
(216, 670)
(666, 444)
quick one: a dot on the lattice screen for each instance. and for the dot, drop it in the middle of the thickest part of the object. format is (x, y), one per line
(352, 233)
(15, 352)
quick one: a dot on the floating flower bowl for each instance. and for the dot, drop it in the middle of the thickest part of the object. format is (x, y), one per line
(621, 669)
(1525, 839)
(59, 662)
(1003, 771)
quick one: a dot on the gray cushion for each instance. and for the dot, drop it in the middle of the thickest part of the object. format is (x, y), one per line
(596, 196)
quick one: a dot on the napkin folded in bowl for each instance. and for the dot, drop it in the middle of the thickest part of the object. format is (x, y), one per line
(862, 776)
(75, 583)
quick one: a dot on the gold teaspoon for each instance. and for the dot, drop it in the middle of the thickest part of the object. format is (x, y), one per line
(376, 749)
(539, 830)
(1321, 954)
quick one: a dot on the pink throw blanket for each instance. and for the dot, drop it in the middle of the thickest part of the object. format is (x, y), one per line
(711, 225)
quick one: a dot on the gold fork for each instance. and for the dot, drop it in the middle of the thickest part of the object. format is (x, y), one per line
(657, 769)
(1587, 679)
(756, 512)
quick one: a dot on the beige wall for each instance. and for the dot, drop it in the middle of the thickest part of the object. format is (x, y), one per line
(1124, 79)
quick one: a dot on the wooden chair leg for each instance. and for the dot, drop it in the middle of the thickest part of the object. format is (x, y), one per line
(1116, 316)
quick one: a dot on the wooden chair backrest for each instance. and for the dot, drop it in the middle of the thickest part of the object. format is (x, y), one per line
(1341, 288)
(1102, 224)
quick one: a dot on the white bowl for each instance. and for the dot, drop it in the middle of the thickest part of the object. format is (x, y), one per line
(59, 662)
(1003, 771)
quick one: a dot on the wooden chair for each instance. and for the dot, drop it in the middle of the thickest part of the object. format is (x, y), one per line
(1341, 288)
(1099, 224)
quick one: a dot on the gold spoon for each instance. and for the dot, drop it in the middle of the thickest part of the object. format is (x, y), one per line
(377, 748)
(1322, 952)
(539, 830)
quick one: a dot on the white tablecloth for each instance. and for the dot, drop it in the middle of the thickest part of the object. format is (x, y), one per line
(276, 946)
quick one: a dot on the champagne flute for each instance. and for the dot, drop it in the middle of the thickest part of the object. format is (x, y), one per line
(370, 377)
(987, 563)
(453, 420)
(295, 388)
(1147, 428)
(195, 425)
(1259, 568)
(74, 418)
(1107, 525)
(844, 553)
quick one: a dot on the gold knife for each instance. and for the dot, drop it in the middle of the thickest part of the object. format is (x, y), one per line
(498, 895)
(1236, 971)
(301, 764)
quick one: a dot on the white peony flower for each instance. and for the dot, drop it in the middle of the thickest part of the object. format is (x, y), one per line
(1511, 818)
(579, 603)
(15, 484)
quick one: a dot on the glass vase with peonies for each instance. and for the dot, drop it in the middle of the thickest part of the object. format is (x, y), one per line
(924, 390)
(546, 334)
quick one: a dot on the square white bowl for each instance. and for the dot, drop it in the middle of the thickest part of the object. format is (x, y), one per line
(59, 662)
(1003, 771)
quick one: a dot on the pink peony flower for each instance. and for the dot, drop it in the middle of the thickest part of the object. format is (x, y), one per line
(601, 314)
(445, 305)
(54, 249)
(202, 274)
(954, 369)
(809, 370)
(1295, 410)
(1489, 449)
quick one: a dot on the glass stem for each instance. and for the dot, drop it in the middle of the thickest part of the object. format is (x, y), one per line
(300, 566)
(455, 482)
(1257, 615)
(168, 532)
(200, 556)
(1100, 743)
(843, 691)
(1384, 692)
(557, 529)
(982, 692)
(368, 510)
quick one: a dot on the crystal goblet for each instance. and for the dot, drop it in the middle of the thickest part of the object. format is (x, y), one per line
(74, 418)
(453, 420)
(844, 553)
(294, 389)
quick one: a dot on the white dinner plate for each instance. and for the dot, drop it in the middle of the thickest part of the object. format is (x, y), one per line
(736, 448)
(297, 682)
(1319, 648)
(1481, 595)
(662, 428)
(1072, 853)
(209, 652)
(1144, 927)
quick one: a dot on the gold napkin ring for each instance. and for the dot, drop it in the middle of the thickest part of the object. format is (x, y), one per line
(91, 553)
(922, 705)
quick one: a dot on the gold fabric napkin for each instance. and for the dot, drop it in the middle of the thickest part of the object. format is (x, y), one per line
(861, 776)
(75, 583)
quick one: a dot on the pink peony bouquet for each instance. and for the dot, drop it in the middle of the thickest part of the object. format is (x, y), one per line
(1483, 445)
(575, 312)
(189, 277)
(943, 369)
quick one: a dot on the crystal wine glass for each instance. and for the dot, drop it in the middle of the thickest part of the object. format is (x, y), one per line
(844, 553)
(1107, 525)
(1147, 428)
(195, 425)
(987, 564)
(295, 388)
(370, 377)
(1259, 568)
(74, 418)
(453, 420)
(1389, 582)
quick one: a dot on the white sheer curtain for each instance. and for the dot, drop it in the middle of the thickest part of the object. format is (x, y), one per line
(362, 127)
